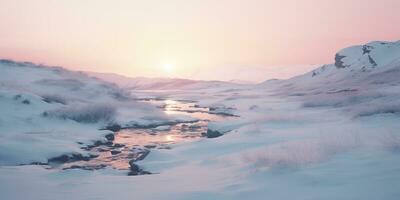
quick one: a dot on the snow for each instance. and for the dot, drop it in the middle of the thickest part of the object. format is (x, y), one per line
(34, 129)
(331, 133)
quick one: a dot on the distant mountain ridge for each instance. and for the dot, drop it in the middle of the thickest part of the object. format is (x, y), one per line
(144, 83)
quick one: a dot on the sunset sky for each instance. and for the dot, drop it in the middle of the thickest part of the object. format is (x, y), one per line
(199, 39)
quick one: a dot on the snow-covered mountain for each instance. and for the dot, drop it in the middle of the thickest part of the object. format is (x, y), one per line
(375, 63)
(363, 80)
(142, 83)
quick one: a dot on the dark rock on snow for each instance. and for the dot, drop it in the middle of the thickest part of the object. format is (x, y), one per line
(118, 145)
(115, 152)
(70, 158)
(87, 167)
(150, 146)
(142, 155)
(338, 61)
(135, 169)
(26, 101)
(213, 134)
(110, 137)
(114, 127)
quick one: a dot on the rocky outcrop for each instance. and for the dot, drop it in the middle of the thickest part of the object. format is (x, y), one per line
(70, 158)
(213, 134)
(135, 170)
(338, 61)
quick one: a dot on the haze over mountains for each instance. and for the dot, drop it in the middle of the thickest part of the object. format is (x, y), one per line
(355, 61)
(143, 83)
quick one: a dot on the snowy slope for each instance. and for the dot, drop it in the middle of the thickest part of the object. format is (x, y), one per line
(328, 134)
(353, 66)
(45, 111)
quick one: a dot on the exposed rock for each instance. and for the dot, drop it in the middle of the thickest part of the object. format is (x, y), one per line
(133, 173)
(372, 61)
(366, 49)
(314, 74)
(118, 145)
(338, 61)
(114, 127)
(135, 170)
(102, 150)
(115, 152)
(60, 159)
(164, 147)
(110, 137)
(150, 146)
(96, 144)
(38, 163)
(70, 158)
(213, 134)
(133, 167)
(194, 127)
(86, 167)
(142, 155)
(53, 98)
(26, 101)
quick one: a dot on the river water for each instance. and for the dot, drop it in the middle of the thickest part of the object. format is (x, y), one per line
(136, 144)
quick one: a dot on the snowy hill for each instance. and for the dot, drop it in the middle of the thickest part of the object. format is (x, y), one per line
(361, 61)
(45, 111)
(369, 65)
(363, 80)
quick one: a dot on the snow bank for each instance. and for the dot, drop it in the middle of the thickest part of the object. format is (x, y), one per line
(85, 114)
(45, 111)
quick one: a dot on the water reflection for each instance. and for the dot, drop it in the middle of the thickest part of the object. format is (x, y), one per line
(173, 107)
(131, 144)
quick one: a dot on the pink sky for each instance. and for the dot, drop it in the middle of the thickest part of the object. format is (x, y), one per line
(200, 39)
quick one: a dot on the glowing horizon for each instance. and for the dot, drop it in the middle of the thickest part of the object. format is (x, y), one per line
(198, 39)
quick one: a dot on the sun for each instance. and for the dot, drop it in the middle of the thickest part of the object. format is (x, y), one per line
(168, 67)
